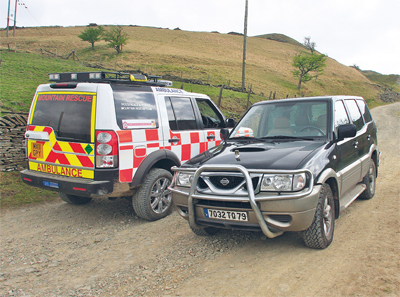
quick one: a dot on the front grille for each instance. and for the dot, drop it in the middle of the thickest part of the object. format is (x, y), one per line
(226, 182)
(255, 183)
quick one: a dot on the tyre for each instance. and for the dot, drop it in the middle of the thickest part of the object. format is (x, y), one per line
(320, 234)
(208, 231)
(72, 199)
(370, 181)
(153, 201)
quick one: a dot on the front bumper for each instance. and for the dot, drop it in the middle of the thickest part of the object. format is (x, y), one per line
(107, 187)
(269, 212)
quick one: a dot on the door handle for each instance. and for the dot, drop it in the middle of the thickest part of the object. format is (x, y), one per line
(211, 137)
(174, 140)
(355, 144)
(368, 137)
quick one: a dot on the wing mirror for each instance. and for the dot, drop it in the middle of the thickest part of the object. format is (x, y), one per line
(346, 131)
(224, 133)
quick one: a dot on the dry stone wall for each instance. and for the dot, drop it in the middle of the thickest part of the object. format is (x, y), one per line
(12, 148)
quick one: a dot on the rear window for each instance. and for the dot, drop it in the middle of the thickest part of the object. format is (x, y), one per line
(135, 109)
(69, 114)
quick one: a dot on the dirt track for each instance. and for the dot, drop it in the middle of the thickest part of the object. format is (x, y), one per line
(103, 249)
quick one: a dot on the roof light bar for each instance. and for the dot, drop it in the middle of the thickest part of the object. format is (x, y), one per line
(54, 76)
(96, 75)
(74, 76)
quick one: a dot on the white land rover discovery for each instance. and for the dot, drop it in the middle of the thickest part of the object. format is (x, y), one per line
(111, 134)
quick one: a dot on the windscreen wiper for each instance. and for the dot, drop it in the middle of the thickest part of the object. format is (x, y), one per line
(287, 137)
(246, 138)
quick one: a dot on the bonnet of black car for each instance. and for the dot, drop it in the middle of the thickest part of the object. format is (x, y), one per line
(250, 149)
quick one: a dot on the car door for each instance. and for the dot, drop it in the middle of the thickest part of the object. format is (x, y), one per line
(349, 165)
(211, 120)
(186, 135)
(369, 137)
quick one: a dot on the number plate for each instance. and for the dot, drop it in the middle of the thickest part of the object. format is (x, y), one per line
(37, 150)
(50, 184)
(226, 215)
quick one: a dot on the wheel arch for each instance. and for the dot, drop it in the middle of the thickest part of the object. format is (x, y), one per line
(329, 177)
(164, 159)
(374, 157)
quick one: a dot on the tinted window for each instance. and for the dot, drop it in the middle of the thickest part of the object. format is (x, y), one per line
(171, 116)
(355, 114)
(364, 110)
(341, 117)
(68, 114)
(183, 113)
(135, 110)
(210, 118)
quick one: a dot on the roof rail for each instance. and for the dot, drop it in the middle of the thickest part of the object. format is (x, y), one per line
(104, 77)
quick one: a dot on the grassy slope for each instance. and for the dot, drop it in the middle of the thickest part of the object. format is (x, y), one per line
(200, 55)
(21, 73)
(391, 81)
(280, 37)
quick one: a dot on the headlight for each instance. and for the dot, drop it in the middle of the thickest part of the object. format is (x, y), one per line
(283, 182)
(299, 181)
(184, 179)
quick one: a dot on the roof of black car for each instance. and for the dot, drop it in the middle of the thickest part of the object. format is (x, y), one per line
(316, 98)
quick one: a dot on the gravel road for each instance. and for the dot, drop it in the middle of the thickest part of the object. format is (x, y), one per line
(104, 249)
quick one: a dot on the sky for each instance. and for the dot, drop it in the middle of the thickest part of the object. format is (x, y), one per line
(365, 33)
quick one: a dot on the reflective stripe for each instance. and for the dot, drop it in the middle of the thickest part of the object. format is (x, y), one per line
(136, 145)
(61, 170)
(61, 152)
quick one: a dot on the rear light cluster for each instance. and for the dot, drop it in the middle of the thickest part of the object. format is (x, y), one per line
(106, 149)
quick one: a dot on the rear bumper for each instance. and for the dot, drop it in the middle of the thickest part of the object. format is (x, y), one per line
(107, 187)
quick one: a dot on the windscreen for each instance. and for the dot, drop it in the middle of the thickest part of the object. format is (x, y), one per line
(286, 118)
(69, 114)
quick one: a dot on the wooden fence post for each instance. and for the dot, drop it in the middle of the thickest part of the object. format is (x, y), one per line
(220, 96)
(248, 97)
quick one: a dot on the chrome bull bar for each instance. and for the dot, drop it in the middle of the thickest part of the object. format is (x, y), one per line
(251, 195)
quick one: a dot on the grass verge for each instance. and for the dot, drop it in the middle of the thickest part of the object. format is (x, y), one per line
(14, 193)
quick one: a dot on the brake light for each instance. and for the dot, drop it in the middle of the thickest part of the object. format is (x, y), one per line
(106, 149)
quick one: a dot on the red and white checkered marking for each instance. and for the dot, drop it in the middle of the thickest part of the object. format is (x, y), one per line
(135, 145)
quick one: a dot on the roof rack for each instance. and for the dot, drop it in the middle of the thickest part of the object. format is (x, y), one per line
(105, 77)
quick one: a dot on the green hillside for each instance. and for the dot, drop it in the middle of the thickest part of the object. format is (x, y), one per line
(280, 38)
(390, 81)
(210, 58)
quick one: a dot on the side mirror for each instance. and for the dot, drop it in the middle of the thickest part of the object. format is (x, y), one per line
(230, 123)
(224, 133)
(346, 131)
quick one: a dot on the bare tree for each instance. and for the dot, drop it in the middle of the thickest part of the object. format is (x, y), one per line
(309, 45)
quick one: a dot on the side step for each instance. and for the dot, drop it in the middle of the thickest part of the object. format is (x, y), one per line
(352, 195)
